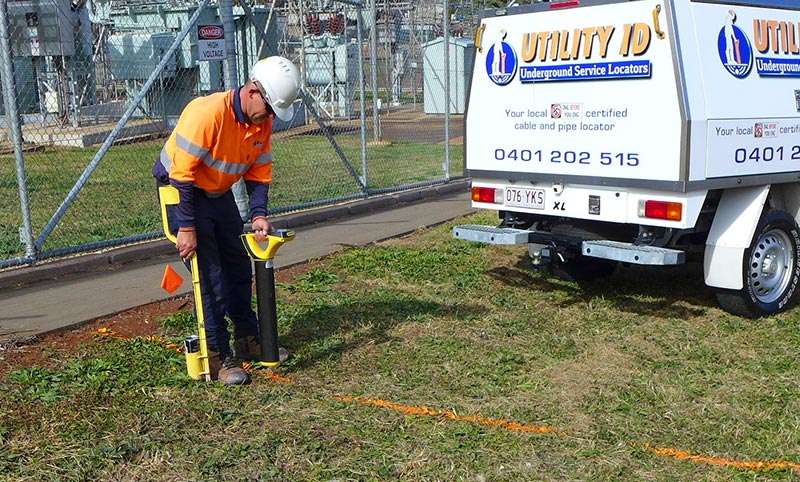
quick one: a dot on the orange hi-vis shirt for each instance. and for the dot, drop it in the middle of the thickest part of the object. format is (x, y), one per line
(211, 149)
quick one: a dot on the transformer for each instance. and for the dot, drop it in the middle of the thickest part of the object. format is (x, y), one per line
(144, 32)
(51, 47)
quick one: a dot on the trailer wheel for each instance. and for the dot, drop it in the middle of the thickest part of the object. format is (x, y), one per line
(771, 269)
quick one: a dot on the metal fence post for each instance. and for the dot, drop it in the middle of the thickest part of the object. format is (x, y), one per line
(12, 120)
(84, 177)
(302, 21)
(225, 9)
(446, 165)
(413, 41)
(363, 113)
(376, 125)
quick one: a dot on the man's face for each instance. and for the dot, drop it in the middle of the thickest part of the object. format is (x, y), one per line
(260, 109)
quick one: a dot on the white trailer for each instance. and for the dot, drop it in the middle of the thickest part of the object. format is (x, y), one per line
(643, 132)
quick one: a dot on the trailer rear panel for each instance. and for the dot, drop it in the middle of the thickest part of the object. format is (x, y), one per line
(587, 92)
(666, 95)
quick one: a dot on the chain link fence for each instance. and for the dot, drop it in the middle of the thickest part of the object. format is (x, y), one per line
(92, 89)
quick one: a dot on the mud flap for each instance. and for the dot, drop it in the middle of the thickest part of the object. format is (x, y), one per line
(731, 233)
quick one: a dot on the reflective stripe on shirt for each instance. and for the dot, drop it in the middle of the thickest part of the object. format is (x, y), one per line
(264, 158)
(234, 168)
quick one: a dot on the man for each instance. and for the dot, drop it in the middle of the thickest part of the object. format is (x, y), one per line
(219, 139)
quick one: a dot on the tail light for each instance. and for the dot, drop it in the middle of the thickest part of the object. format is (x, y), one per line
(670, 211)
(565, 4)
(487, 195)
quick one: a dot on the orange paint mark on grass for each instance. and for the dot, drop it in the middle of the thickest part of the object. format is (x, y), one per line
(268, 374)
(108, 333)
(450, 415)
(277, 378)
(510, 425)
(165, 343)
(724, 462)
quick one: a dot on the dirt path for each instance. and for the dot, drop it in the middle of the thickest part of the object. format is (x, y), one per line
(143, 320)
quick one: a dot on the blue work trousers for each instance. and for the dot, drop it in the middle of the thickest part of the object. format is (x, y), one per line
(226, 274)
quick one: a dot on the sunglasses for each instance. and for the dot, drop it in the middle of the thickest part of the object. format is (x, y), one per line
(264, 99)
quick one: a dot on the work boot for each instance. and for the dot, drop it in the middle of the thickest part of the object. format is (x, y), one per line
(248, 348)
(227, 369)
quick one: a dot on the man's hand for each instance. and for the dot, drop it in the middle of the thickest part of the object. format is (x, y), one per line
(261, 229)
(187, 243)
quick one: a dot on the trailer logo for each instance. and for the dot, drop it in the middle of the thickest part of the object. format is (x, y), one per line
(501, 61)
(734, 47)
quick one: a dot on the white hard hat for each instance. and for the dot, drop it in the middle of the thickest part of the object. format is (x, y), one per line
(279, 82)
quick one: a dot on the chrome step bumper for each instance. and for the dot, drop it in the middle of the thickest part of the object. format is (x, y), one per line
(611, 250)
(491, 235)
(630, 253)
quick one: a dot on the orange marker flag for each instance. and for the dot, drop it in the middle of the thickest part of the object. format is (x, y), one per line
(171, 280)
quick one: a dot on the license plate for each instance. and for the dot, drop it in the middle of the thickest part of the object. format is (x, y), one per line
(525, 198)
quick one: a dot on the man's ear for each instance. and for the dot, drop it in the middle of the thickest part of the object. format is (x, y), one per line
(249, 93)
(251, 89)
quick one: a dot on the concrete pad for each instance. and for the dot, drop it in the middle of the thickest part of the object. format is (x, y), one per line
(59, 304)
(92, 134)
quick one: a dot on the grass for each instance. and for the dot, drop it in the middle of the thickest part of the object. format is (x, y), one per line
(119, 199)
(642, 359)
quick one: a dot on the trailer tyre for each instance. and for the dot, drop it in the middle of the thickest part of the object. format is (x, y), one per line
(770, 269)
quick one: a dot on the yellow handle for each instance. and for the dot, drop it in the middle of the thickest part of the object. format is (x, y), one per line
(201, 321)
(656, 23)
(197, 364)
(479, 37)
(167, 196)
(259, 253)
